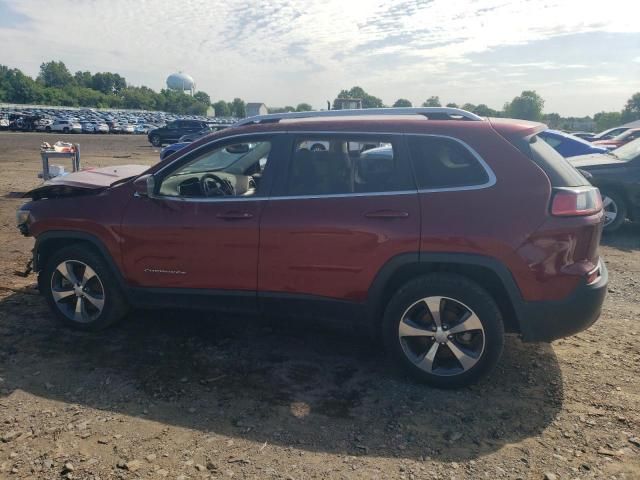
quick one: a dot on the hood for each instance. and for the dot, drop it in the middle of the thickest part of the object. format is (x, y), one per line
(85, 181)
(595, 160)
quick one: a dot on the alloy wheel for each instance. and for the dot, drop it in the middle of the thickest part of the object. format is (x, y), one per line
(441, 336)
(77, 291)
(610, 210)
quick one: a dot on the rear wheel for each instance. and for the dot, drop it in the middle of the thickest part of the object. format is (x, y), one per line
(155, 141)
(444, 329)
(81, 290)
(615, 211)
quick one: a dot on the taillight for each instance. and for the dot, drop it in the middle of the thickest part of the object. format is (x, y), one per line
(571, 202)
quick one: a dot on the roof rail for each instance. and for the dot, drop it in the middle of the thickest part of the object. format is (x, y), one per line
(435, 113)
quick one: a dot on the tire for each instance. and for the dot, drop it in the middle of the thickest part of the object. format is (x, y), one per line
(615, 210)
(65, 130)
(431, 353)
(47, 129)
(155, 141)
(101, 289)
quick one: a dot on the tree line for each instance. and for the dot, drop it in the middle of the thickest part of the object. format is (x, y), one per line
(529, 105)
(56, 85)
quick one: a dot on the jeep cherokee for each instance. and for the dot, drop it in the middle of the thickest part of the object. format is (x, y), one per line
(432, 228)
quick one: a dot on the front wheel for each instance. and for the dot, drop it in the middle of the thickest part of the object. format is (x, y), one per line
(81, 290)
(444, 330)
(155, 141)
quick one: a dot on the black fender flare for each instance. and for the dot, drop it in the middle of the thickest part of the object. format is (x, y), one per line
(375, 294)
(44, 237)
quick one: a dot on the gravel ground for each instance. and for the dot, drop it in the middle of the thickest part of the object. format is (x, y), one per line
(186, 395)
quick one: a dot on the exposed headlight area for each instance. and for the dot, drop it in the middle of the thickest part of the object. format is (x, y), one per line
(23, 218)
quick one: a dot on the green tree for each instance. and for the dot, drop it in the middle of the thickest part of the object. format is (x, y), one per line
(469, 107)
(55, 74)
(20, 88)
(402, 102)
(606, 120)
(222, 109)
(304, 107)
(203, 98)
(485, 111)
(552, 119)
(368, 101)
(527, 106)
(108, 83)
(83, 79)
(631, 110)
(432, 102)
(238, 108)
(452, 105)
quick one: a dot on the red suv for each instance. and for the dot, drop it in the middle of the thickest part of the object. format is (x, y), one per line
(433, 228)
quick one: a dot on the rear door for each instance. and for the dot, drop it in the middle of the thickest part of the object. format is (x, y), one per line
(336, 216)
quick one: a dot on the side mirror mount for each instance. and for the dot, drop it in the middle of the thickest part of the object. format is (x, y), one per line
(144, 186)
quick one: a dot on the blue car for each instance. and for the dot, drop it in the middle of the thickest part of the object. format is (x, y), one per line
(568, 145)
(169, 149)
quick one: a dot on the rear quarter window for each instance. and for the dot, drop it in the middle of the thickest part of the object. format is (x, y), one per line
(445, 163)
(560, 172)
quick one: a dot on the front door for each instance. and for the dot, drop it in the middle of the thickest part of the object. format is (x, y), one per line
(199, 232)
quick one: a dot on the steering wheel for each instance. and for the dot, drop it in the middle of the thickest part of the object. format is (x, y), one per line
(214, 186)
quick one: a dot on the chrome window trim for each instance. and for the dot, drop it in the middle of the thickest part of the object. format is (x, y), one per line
(490, 183)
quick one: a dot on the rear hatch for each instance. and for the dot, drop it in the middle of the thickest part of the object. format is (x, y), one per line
(568, 240)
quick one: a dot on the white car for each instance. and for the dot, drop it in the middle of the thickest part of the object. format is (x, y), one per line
(44, 125)
(65, 126)
(4, 123)
(102, 128)
(127, 128)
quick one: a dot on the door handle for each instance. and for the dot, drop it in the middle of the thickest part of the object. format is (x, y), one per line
(235, 215)
(387, 214)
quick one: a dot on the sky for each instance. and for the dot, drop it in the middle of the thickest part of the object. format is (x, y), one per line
(581, 56)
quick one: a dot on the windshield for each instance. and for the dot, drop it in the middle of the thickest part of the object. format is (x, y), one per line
(224, 158)
(628, 152)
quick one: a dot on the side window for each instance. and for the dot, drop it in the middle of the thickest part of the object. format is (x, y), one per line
(230, 170)
(554, 142)
(444, 163)
(343, 165)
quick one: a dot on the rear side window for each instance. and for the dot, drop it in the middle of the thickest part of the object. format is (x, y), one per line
(444, 163)
(560, 172)
(345, 165)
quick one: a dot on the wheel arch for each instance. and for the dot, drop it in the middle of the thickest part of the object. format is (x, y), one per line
(488, 272)
(48, 242)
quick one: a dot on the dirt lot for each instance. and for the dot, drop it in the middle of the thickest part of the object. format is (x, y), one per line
(184, 395)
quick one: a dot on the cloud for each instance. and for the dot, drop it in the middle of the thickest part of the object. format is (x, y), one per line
(285, 51)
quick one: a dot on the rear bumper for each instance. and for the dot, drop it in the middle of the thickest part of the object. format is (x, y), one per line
(547, 321)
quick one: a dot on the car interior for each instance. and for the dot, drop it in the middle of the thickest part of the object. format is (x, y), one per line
(234, 170)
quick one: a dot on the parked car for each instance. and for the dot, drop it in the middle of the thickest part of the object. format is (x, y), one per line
(65, 126)
(569, 146)
(608, 134)
(172, 132)
(88, 127)
(619, 140)
(171, 149)
(4, 123)
(101, 127)
(617, 175)
(127, 128)
(584, 135)
(466, 228)
(44, 125)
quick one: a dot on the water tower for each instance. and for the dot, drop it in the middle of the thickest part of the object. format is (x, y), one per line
(181, 81)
